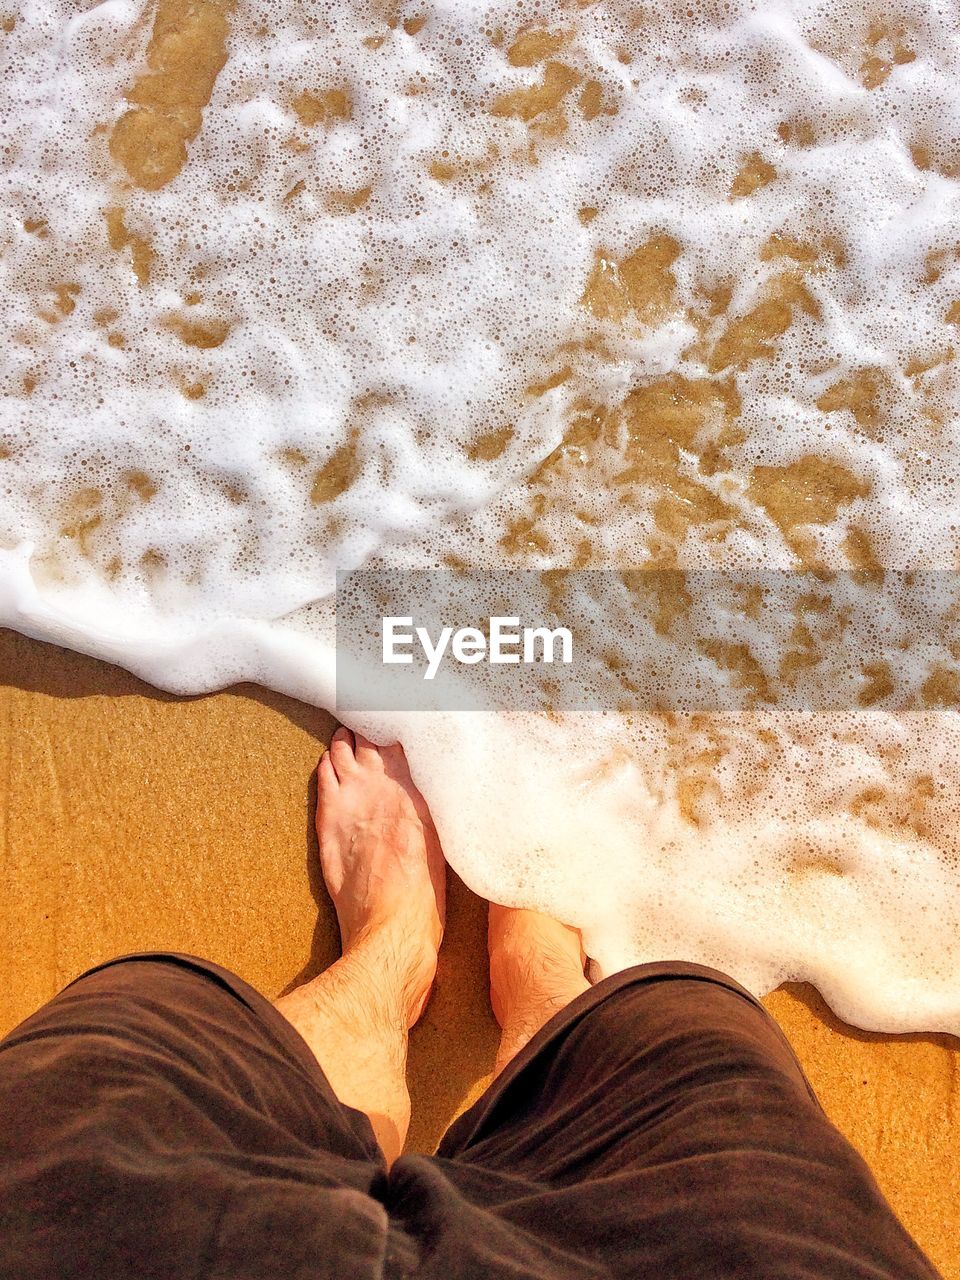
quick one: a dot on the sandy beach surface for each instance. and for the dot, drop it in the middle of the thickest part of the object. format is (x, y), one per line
(131, 820)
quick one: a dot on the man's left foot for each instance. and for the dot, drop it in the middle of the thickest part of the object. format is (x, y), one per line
(382, 863)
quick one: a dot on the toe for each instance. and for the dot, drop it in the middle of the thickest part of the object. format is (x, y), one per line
(327, 780)
(341, 753)
(395, 764)
(368, 754)
(328, 784)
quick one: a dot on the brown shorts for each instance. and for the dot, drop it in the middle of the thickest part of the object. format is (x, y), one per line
(161, 1119)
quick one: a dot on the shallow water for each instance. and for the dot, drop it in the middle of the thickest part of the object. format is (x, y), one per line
(296, 288)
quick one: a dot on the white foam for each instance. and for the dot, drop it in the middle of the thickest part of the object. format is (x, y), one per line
(177, 535)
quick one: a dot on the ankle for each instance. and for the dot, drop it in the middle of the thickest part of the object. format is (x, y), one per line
(524, 1009)
(534, 984)
(534, 962)
(399, 964)
(536, 969)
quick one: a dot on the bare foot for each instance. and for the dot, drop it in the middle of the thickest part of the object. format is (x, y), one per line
(536, 969)
(382, 861)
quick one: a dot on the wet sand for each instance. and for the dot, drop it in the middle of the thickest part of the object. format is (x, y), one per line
(131, 820)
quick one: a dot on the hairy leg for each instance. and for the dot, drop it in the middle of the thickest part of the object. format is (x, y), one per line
(536, 969)
(385, 872)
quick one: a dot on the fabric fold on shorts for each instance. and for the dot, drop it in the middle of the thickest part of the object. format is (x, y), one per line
(471, 1122)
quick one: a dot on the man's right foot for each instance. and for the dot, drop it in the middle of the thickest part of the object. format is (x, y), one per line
(536, 969)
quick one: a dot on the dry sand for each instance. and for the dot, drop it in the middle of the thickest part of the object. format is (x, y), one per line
(131, 820)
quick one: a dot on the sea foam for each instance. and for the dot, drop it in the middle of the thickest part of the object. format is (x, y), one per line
(654, 290)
